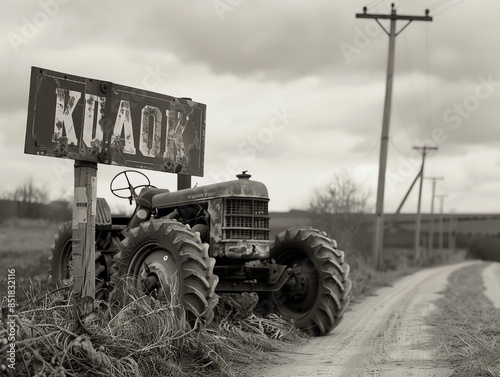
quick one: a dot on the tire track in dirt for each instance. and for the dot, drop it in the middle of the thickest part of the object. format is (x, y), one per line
(384, 335)
(491, 279)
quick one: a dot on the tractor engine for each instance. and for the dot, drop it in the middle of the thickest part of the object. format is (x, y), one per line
(232, 217)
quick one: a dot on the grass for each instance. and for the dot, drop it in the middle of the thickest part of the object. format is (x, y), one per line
(468, 325)
(398, 262)
(144, 338)
(366, 280)
(25, 245)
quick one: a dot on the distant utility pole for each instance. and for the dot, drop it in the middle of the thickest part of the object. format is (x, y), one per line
(418, 220)
(379, 212)
(452, 237)
(441, 199)
(431, 226)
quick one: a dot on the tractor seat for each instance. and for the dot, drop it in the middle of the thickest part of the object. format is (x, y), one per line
(146, 195)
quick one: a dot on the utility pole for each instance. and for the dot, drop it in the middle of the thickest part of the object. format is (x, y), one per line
(379, 212)
(450, 231)
(431, 220)
(452, 238)
(441, 199)
(418, 223)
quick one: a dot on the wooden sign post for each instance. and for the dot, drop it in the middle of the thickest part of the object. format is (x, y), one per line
(93, 121)
(84, 209)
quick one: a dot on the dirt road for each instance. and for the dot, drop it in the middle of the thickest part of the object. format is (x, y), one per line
(384, 335)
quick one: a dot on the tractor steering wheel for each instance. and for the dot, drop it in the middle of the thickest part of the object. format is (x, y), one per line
(124, 182)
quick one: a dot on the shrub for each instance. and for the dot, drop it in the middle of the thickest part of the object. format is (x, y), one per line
(485, 248)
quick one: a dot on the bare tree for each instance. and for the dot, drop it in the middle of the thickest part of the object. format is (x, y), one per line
(30, 193)
(338, 208)
(28, 197)
(5, 195)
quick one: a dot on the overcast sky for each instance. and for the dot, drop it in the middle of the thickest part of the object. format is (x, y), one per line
(294, 89)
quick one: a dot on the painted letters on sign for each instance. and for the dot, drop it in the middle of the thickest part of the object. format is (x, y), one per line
(98, 121)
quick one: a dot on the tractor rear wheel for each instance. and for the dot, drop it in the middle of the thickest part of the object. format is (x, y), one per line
(61, 263)
(319, 289)
(165, 259)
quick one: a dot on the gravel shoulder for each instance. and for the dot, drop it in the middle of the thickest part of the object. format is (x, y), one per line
(384, 335)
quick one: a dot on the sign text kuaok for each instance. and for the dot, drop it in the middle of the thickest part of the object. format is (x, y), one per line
(99, 121)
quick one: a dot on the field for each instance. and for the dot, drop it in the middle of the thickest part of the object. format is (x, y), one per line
(119, 342)
(25, 245)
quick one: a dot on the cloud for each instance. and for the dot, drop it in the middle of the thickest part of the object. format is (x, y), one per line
(279, 39)
(264, 57)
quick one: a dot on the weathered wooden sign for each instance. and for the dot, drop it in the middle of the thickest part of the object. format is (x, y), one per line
(93, 121)
(99, 121)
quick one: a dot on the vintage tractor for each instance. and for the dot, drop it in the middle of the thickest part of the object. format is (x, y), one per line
(195, 244)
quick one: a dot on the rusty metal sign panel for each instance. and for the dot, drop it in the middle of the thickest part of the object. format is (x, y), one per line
(99, 121)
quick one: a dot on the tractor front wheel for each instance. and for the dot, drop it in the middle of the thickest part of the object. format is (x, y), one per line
(166, 260)
(319, 289)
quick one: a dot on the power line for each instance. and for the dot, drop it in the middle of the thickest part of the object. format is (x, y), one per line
(375, 145)
(374, 3)
(393, 144)
(450, 7)
(414, 92)
(438, 3)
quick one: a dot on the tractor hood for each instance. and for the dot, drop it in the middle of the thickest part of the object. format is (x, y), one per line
(242, 187)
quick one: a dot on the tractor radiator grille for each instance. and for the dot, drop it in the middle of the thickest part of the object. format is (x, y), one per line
(246, 219)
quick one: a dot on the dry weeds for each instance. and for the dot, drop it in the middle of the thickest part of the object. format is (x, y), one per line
(144, 338)
(468, 326)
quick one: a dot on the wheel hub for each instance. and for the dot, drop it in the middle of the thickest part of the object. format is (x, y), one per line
(150, 283)
(158, 276)
(296, 286)
(298, 295)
